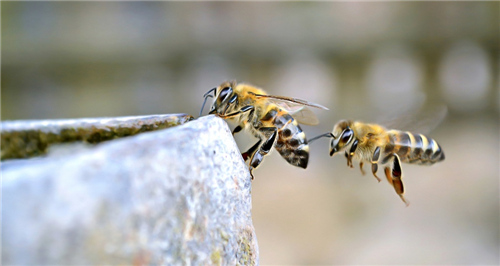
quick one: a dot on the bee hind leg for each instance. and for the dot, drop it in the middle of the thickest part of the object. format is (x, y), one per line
(264, 148)
(394, 177)
(375, 157)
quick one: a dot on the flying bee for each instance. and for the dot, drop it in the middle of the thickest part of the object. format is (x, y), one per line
(272, 119)
(374, 144)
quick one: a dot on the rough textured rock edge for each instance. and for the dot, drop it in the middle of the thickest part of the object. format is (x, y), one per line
(27, 138)
(176, 196)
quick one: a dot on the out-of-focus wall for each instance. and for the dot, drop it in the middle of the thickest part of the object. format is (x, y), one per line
(363, 60)
(69, 59)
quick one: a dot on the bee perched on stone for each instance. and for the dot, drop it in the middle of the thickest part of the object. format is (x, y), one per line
(274, 120)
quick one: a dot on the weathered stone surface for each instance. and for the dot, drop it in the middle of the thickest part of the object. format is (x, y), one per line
(175, 196)
(27, 138)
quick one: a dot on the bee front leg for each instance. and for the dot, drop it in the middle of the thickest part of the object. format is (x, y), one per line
(348, 159)
(394, 177)
(271, 133)
(244, 109)
(351, 152)
(375, 157)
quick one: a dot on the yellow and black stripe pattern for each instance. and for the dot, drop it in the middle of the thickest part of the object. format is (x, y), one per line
(413, 148)
(291, 141)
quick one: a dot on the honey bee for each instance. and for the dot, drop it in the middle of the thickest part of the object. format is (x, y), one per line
(272, 119)
(374, 144)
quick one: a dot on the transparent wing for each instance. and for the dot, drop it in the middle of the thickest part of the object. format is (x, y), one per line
(423, 121)
(303, 115)
(297, 108)
(290, 100)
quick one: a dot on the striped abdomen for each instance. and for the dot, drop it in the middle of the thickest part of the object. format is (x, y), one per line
(414, 148)
(291, 142)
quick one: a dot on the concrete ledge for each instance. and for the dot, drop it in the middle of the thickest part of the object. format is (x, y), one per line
(174, 196)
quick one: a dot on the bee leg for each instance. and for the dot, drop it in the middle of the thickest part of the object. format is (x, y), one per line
(348, 159)
(394, 177)
(375, 156)
(397, 174)
(350, 154)
(251, 174)
(237, 129)
(361, 168)
(271, 133)
(251, 151)
(242, 110)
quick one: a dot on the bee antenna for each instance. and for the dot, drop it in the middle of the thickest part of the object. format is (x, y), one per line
(206, 95)
(208, 92)
(329, 134)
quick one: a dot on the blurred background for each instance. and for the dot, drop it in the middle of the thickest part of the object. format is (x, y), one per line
(364, 61)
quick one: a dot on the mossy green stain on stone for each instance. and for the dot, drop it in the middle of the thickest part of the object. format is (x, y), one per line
(23, 139)
(246, 244)
(215, 257)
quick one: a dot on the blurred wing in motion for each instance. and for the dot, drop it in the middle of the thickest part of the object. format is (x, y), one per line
(297, 108)
(423, 121)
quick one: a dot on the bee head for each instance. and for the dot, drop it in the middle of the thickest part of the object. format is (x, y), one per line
(345, 135)
(223, 96)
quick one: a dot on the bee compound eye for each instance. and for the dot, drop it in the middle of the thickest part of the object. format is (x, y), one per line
(346, 137)
(224, 93)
